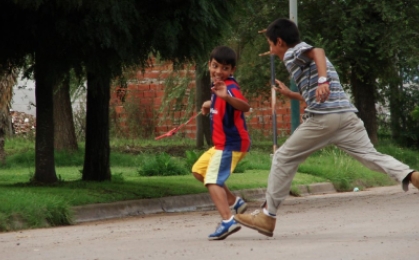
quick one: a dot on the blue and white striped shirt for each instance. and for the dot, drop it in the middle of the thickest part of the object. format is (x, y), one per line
(304, 72)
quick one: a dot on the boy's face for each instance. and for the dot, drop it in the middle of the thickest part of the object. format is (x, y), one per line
(279, 48)
(219, 71)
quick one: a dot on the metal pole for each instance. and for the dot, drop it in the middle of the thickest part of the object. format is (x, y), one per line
(273, 101)
(295, 104)
(293, 11)
(273, 98)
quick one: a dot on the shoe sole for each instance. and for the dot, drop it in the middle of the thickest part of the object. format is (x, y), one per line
(224, 236)
(261, 231)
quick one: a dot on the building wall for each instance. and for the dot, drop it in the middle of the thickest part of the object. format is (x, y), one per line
(143, 96)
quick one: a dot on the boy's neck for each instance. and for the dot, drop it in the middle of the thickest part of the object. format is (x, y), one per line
(287, 48)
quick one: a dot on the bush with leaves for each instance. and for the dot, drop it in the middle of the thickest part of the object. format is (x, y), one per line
(415, 113)
(241, 167)
(192, 157)
(162, 165)
(409, 135)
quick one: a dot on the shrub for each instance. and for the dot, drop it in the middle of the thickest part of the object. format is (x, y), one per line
(241, 167)
(162, 165)
(191, 158)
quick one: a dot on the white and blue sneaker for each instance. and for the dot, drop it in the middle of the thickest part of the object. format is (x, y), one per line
(224, 230)
(240, 206)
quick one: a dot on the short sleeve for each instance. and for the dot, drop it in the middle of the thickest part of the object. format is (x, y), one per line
(234, 91)
(298, 58)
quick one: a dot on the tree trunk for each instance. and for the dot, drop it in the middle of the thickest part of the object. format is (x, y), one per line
(203, 93)
(64, 131)
(3, 125)
(363, 90)
(8, 78)
(44, 141)
(5, 130)
(97, 151)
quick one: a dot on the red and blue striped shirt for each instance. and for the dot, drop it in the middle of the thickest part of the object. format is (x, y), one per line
(228, 125)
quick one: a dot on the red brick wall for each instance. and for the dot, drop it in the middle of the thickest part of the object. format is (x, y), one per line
(144, 94)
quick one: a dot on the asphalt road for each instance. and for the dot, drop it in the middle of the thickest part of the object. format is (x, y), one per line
(381, 223)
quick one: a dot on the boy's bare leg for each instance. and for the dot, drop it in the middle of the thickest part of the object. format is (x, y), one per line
(231, 198)
(219, 197)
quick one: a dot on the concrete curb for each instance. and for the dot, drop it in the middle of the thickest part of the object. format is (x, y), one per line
(185, 203)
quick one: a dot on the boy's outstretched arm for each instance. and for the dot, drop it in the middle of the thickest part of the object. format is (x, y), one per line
(220, 89)
(284, 90)
(319, 57)
(238, 103)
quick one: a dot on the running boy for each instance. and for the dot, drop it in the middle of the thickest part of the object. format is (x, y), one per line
(329, 119)
(230, 138)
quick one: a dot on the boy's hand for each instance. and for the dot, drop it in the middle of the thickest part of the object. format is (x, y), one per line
(322, 92)
(283, 89)
(220, 89)
(206, 106)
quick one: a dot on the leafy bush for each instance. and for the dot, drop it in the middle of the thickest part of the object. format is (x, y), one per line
(162, 165)
(409, 135)
(415, 113)
(192, 157)
(241, 167)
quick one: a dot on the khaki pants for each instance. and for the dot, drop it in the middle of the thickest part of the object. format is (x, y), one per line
(346, 131)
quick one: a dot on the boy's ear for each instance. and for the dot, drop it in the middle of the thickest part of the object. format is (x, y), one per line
(281, 43)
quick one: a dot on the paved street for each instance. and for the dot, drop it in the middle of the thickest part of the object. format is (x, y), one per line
(382, 223)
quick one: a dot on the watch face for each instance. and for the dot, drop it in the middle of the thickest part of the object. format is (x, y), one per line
(322, 80)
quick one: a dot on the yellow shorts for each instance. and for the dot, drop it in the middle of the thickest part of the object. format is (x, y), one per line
(215, 166)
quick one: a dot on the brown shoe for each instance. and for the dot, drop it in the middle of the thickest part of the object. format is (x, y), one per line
(257, 220)
(414, 179)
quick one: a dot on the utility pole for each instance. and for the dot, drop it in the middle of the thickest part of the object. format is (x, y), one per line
(295, 104)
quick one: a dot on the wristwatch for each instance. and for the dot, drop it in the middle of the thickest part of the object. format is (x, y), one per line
(322, 80)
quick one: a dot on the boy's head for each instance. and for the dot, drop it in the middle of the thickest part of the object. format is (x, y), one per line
(285, 29)
(222, 63)
(282, 34)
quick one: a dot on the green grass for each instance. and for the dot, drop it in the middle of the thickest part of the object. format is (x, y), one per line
(26, 205)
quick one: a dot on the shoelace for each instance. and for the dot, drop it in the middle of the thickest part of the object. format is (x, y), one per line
(219, 226)
(254, 213)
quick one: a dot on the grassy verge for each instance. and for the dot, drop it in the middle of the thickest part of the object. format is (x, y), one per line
(24, 205)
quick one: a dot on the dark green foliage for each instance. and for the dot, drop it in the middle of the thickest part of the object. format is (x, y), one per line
(241, 167)
(118, 178)
(162, 165)
(103, 37)
(253, 71)
(191, 157)
(369, 42)
(409, 134)
(415, 113)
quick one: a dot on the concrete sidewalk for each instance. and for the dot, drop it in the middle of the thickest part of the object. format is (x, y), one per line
(186, 203)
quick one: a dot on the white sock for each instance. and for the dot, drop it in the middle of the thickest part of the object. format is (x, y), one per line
(228, 220)
(266, 212)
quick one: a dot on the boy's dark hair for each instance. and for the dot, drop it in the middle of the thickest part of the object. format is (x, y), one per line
(285, 29)
(224, 55)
